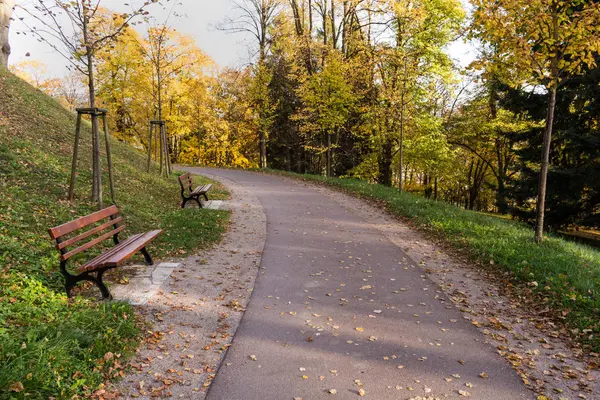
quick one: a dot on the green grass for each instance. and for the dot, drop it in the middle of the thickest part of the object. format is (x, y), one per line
(559, 273)
(50, 346)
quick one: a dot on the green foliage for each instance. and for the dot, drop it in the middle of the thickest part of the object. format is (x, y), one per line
(59, 342)
(566, 274)
(574, 180)
(258, 93)
(54, 347)
(326, 97)
(429, 150)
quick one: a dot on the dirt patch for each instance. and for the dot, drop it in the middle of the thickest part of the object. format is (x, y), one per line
(195, 313)
(537, 349)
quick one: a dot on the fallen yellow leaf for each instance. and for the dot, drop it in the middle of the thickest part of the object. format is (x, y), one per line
(16, 387)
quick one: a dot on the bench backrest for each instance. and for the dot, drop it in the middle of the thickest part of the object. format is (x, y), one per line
(185, 181)
(66, 235)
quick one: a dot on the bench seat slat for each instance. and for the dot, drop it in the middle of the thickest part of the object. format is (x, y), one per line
(97, 262)
(202, 189)
(112, 250)
(91, 243)
(121, 252)
(89, 233)
(116, 259)
(82, 222)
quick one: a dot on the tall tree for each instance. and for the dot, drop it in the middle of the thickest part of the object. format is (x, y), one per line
(408, 63)
(327, 100)
(6, 10)
(256, 17)
(574, 182)
(551, 40)
(124, 81)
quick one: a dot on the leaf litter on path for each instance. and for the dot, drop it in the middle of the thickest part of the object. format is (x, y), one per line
(532, 343)
(191, 333)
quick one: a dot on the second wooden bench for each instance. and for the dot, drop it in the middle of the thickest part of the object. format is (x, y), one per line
(187, 193)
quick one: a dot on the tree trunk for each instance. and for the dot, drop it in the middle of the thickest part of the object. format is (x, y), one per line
(199, 146)
(262, 135)
(263, 148)
(324, 52)
(501, 197)
(159, 97)
(159, 88)
(96, 168)
(310, 19)
(334, 32)
(401, 154)
(400, 176)
(149, 147)
(328, 154)
(541, 201)
(344, 29)
(385, 164)
(6, 10)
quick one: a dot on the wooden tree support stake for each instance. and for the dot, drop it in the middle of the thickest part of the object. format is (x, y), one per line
(96, 164)
(161, 145)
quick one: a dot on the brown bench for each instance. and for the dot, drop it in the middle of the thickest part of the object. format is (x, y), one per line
(186, 183)
(103, 225)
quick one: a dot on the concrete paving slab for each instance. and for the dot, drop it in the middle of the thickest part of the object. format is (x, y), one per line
(143, 282)
(214, 205)
(162, 272)
(210, 205)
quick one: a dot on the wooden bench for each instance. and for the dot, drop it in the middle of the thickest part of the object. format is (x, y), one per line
(186, 183)
(99, 226)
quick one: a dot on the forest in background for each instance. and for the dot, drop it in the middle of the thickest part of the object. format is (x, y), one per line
(367, 89)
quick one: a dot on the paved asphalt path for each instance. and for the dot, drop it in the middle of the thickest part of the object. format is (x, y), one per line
(338, 306)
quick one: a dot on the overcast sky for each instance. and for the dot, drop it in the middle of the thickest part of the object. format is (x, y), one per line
(199, 19)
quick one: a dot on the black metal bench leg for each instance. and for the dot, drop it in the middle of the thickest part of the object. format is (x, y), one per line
(147, 256)
(198, 201)
(103, 289)
(72, 280)
(69, 285)
(184, 202)
(205, 196)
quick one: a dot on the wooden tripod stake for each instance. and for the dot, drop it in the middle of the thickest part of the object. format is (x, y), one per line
(96, 164)
(161, 145)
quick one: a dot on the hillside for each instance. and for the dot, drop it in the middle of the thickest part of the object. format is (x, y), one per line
(48, 346)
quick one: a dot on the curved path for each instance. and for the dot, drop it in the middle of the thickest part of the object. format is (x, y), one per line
(339, 311)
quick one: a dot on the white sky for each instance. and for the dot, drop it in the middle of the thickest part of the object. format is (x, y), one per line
(199, 19)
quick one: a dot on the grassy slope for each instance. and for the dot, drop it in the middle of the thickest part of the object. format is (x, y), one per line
(561, 274)
(48, 346)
